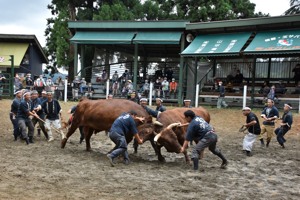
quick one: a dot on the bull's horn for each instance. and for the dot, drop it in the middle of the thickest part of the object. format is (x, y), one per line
(173, 125)
(155, 133)
(157, 137)
(158, 123)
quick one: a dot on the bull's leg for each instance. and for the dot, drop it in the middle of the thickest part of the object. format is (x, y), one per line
(135, 145)
(154, 146)
(88, 134)
(160, 157)
(70, 132)
(187, 158)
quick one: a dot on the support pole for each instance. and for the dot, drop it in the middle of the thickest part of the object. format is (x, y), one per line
(135, 66)
(245, 96)
(11, 84)
(197, 96)
(107, 88)
(66, 91)
(150, 94)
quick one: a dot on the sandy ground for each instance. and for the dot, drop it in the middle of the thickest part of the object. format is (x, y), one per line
(45, 171)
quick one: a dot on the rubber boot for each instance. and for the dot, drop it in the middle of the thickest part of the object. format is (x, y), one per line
(196, 163)
(31, 140)
(39, 132)
(27, 141)
(262, 144)
(268, 142)
(248, 153)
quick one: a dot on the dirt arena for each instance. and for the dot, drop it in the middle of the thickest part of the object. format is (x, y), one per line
(45, 171)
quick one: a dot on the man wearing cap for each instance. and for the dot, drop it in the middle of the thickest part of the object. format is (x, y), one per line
(252, 124)
(269, 115)
(221, 102)
(24, 122)
(13, 113)
(36, 106)
(187, 103)
(52, 109)
(285, 125)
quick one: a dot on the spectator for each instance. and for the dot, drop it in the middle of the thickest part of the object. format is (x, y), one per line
(296, 70)
(82, 86)
(271, 94)
(221, 102)
(28, 82)
(75, 88)
(280, 88)
(157, 89)
(17, 83)
(165, 87)
(238, 77)
(297, 89)
(169, 74)
(60, 88)
(2, 80)
(187, 103)
(265, 89)
(146, 88)
(158, 74)
(134, 97)
(49, 85)
(231, 76)
(89, 91)
(125, 75)
(39, 84)
(173, 88)
(129, 88)
(115, 88)
(115, 77)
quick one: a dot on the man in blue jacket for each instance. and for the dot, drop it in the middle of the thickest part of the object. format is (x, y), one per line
(285, 125)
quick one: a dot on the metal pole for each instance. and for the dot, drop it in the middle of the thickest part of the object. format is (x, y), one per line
(11, 84)
(66, 92)
(135, 66)
(245, 96)
(197, 95)
(107, 88)
(150, 94)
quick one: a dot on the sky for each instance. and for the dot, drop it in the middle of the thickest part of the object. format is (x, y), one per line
(29, 16)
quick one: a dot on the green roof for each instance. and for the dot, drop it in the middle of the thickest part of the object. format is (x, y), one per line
(275, 42)
(157, 38)
(216, 45)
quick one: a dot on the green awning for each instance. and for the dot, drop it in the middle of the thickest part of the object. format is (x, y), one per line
(157, 38)
(16, 49)
(275, 42)
(217, 45)
(103, 37)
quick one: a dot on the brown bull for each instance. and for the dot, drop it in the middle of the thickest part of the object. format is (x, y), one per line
(99, 115)
(171, 136)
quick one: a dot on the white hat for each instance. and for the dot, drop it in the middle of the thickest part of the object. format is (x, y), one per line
(187, 100)
(143, 99)
(18, 91)
(246, 108)
(44, 92)
(129, 81)
(27, 92)
(159, 99)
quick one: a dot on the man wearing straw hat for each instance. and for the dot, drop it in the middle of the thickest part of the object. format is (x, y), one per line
(253, 130)
(285, 125)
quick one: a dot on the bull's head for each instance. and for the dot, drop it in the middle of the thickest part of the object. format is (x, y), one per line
(149, 130)
(171, 137)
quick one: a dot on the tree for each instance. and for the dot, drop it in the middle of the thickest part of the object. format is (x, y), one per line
(294, 9)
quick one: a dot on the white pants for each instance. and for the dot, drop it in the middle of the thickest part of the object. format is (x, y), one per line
(248, 142)
(55, 124)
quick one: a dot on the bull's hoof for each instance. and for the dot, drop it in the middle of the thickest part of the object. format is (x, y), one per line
(89, 149)
(63, 142)
(161, 159)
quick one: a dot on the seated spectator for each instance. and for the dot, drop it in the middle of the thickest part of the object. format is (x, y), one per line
(146, 88)
(280, 88)
(89, 91)
(297, 89)
(271, 94)
(231, 76)
(238, 77)
(265, 89)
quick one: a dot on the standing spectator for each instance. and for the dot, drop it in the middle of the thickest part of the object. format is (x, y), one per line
(60, 88)
(24, 122)
(75, 88)
(173, 88)
(169, 74)
(29, 81)
(285, 125)
(201, 131)
(89, 91)
(271, 94)
(17, 83)
(221, 102)
(165, 87)
(296, 71)
(52, 109)
(13, 113)
(146, 88)
(252, 124)
(269, 115)
(115, 77)
(125, 75)
(49, 85)
(129, 88)
(121, 127)
(158, 74)
(115, 88)
(39, 84)
(36, 106)
(2, 80)
(157, 88)
(104, 76)
(82, 86)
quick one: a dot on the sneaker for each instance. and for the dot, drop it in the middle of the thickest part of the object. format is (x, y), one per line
(224, 164)
(50, 139)
(110, 160)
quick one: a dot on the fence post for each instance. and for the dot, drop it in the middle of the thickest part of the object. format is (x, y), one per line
(245, 96)
(197, 96)
(66, 92)
(150, 94)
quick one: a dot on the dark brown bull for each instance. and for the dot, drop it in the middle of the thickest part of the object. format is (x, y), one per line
(170, 135)
(99, 115)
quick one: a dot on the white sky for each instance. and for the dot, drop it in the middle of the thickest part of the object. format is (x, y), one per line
(29, 16)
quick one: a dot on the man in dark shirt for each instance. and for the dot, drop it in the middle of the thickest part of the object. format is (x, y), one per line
(24, 121)
(122, 126)
(221, 101)
(269, 115)
(36, 105)
(52, 109)
(252, 124)
(200, 130)
(159, 108)
(285, 125)
(13, 113)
